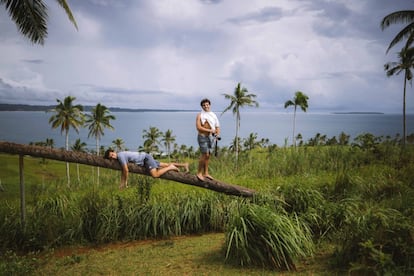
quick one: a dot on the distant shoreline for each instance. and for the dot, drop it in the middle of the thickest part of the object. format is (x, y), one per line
(358, 113)
(87, 108)
(26, 107)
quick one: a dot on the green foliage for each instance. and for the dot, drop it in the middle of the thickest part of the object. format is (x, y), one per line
(309, 204)
(144, 188)
(91, 215)
(376, 239)
(357, 199)
(12, 264)
(258, 236)
(11, 228)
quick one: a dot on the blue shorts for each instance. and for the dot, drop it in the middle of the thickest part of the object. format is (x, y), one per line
(205, 143)
(150, 163)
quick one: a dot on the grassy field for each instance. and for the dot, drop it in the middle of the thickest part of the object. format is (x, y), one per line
(324, 209)
(185, 255)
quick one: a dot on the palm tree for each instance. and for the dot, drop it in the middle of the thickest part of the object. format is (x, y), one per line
(343, 138)
(67, 115)
(405, 63)
(78, 147)
(152, 137)
(318, 140)
(239, 99)
(97, 121)
(235, 144)
(119, 144)
(406, 16)
(50, 143)
(168, 139)
(191, 151)
(31, 17)
(264, 142)
(251, 142)
(299, 138)
(300, 100)
(183, 150)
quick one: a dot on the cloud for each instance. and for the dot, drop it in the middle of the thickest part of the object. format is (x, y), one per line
(34, 61)
(266, 14)
(16, 93)
(170, 54)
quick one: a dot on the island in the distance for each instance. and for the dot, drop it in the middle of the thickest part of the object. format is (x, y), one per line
(357, 112)
(25, 107)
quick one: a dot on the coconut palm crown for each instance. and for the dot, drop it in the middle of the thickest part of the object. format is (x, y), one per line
(405, 16)
(31, 17)
(67, 115)
(239, 99)
(300, 100)
(404, 64)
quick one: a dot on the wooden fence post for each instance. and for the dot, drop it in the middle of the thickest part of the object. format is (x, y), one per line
(22, 193)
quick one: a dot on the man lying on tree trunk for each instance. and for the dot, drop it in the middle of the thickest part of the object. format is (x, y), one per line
(154, 167)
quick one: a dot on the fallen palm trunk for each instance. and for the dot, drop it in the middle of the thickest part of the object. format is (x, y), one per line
(97, 161)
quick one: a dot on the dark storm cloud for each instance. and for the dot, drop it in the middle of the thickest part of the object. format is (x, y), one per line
(120, 90)
(211, 1)
(266, 14)
(33, 61)
(337, 19)
(23, 94)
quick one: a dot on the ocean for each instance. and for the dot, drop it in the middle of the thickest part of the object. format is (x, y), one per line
(27, 126)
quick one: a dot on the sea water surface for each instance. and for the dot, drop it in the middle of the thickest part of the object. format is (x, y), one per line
(26, 126)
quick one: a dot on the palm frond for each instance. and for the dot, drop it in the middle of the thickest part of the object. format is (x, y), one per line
(66, 7)
(403, 16)
(407, 32)
(30, 17)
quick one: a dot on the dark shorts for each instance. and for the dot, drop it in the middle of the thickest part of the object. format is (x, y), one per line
(150, 163)
(205, 143)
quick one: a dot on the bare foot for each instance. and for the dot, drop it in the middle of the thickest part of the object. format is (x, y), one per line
(173, 168)
(186, 167)
(200, 177)
(209, 177)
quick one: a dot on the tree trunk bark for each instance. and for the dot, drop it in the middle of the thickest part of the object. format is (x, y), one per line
(97, 161)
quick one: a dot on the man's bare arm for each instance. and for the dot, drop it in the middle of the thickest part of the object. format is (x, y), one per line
(124, 176)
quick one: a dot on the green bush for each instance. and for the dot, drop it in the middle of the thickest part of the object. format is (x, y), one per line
(12, 264)
(376, 239)
(258, 236)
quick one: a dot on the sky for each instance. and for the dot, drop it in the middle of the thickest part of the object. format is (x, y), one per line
(169, 54)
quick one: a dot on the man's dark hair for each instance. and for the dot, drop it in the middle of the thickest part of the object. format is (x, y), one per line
(107, 152)
(205, 100)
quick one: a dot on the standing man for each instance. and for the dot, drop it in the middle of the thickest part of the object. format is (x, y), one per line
(208, 128)
(154, 167)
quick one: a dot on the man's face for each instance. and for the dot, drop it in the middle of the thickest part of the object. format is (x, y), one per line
(112, 155)
(206, 106)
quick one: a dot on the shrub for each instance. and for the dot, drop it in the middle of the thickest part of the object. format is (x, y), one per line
(12, 264)
(90, 207)
(257, 236)
(376, 239)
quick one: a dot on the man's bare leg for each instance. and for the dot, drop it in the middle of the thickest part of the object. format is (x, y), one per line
(182, 165)
(206, 174)
(160, 171)
(178, 165)
(202, 166)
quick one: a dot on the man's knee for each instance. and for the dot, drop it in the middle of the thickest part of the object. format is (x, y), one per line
(154, 173)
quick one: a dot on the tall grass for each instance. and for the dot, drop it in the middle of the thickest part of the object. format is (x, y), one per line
(376, 239)
(258, 236)
(98, 216)
(358, 198)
